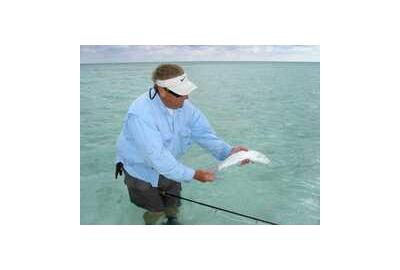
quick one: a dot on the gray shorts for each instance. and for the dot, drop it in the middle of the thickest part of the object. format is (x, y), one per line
(146, 196)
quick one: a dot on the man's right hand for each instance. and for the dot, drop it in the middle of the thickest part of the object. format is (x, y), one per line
(204, 175)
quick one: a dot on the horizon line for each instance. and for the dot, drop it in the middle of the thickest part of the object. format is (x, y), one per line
(132, 62)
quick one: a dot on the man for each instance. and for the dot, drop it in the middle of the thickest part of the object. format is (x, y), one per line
(158, 129)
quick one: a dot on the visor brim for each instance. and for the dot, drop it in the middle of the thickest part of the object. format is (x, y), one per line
(184, 88)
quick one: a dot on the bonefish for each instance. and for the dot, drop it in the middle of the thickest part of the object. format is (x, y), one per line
(238, 157)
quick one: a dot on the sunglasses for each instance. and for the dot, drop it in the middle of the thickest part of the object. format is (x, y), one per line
(173, 93)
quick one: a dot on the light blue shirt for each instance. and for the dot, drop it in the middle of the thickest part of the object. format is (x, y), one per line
(152, 140)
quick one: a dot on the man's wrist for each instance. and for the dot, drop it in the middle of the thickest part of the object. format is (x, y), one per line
(189, 174)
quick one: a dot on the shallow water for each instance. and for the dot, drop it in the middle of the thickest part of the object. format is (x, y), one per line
(271, 107)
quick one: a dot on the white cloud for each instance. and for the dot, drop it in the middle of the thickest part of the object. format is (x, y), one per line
(160, 53)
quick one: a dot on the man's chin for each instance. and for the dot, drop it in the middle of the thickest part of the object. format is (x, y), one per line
(177, 106)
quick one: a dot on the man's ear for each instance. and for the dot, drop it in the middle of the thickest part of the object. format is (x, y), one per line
(161, 91)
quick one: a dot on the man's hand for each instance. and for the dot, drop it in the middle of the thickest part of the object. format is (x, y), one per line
(204, 175)
(238, 149)
(118, 169)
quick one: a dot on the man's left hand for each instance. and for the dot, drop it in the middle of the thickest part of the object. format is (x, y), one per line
(238, 149)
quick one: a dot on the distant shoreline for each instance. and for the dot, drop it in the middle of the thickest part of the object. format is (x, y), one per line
(158, 62)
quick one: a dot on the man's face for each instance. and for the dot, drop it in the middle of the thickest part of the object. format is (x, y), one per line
(170, 100)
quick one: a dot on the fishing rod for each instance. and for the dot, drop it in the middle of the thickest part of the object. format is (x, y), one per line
(164, 193)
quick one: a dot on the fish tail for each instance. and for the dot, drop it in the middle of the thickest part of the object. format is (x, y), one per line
(216, 172)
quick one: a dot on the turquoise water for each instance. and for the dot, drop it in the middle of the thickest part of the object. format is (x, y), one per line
(271, 107)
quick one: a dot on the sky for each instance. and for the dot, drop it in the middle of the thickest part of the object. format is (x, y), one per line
(182, 53)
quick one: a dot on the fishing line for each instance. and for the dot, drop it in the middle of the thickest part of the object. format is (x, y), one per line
(164, 193)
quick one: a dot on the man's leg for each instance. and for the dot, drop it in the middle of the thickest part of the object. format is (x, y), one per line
(151, 218)
(172, 211)
(172, 215)
(171, 203)
(142, 194)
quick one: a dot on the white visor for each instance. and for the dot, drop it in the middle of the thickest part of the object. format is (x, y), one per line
(180, 85)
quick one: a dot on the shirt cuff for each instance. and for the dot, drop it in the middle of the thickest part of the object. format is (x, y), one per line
(188, 174)
(225, 152)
